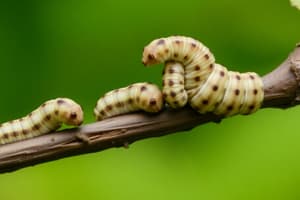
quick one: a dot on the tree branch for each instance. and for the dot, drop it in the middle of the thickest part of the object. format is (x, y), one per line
(282, 90)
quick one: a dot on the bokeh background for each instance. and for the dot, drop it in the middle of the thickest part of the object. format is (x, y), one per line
(82, 49)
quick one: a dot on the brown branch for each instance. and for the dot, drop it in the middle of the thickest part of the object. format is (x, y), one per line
(282, 90)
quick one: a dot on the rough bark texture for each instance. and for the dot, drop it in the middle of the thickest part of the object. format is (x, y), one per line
(282, 90)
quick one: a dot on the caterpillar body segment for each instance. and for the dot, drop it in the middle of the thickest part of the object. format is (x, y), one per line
(138, 96)
(173, 85)
(209, 95)
(233, 97)
(45, 119)
(254, 94)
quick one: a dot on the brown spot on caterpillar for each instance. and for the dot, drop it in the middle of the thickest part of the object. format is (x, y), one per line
(177, 41)
(5, 136)
(175, 102)
(36, 127)
(252, 77)
(60, 101)
(173, 94)
(211, 66)
(237, 92)
(73, 115)
(143, 88)
(43, 105)
(171, 71)
(160, 42)
(171, 83)
(153, 102)
(181, 90)
(119, 104)
(15, 134)
(206, 56)
(229, 107)
(180, 82)
(166, 50)
(238, 77)
(193, 45)
(185, 57)
(197, 67)
(222, 73)
(56, 112)
(215, 88)
(205, 102)
(108, 108)
(25, 132)
(251, 107)
(102, 112)
(197, 78)
(48, 117)
(175, 55)
(130, 86)
(130, 101)
(151, 57)
(255, 91)
(165, 95)
(30, 114)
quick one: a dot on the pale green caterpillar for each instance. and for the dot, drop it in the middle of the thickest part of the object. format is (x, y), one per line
(138, 96)
(210, 87)
(45, 119)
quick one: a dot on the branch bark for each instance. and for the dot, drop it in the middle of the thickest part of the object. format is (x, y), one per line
(282, 90)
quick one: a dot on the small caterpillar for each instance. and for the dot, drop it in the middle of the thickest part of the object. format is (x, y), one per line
(45, 119)
(210, 87)
(138, 96)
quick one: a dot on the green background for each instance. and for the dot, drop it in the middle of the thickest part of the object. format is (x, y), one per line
(82, 49)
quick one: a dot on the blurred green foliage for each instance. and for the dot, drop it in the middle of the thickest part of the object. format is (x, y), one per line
(81, 49)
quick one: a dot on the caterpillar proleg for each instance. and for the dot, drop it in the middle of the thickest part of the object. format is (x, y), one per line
(138, 96)
(45, 119)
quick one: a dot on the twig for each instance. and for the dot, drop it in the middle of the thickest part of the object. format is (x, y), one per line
(282, 90)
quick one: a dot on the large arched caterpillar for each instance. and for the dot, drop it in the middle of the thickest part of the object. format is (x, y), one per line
(210, 87)
(45, 119)
(138, 96)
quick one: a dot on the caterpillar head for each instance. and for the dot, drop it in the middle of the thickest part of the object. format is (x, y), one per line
(69, 112)
(155, 52)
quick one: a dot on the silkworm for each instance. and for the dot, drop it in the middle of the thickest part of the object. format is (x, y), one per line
(210, 87)
(45, 119)
(138, 96)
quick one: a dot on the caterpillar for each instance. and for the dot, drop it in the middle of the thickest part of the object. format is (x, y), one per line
(138, 96)
(209, 86)
(45, 119)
